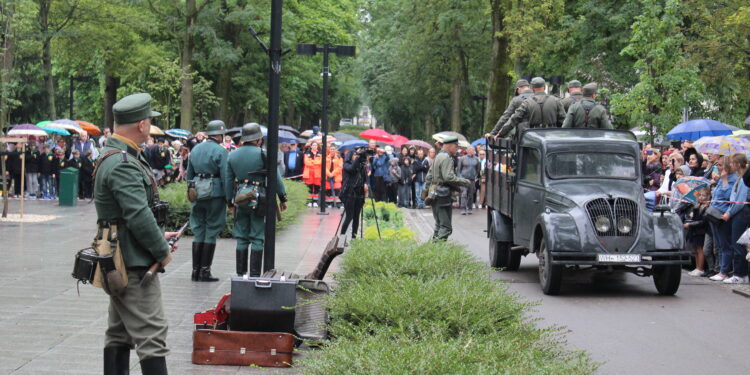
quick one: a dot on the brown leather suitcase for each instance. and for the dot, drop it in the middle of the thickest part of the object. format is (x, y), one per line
(233, 348)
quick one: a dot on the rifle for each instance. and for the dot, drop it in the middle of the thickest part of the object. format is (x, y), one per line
(156, 267)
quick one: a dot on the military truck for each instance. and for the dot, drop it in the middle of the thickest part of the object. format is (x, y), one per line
(574, 198)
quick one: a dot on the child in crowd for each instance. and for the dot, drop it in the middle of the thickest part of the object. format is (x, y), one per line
(696, 227)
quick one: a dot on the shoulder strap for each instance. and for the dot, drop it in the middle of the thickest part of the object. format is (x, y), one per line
(541, 107)
(107, 155)
(586, 117)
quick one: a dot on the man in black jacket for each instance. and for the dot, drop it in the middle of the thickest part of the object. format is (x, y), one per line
(293, 159)
(354, 189)
(86, 176)
(13, 163)
(420, 166)
(32, 157)
(46, 173)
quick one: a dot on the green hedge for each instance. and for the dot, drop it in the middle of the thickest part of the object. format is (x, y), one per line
(390, 220)
(408, 308)
(352, 130)
(179, 206)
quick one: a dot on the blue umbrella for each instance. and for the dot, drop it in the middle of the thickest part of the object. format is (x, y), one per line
(480, 141)
(696, 129)
(55, 131)
(352, 144)
(286, 136)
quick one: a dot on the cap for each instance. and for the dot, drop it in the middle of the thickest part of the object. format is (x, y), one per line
(133, 108)
(251, 132)
(589, 89)
(216, 127)
(574, 84)
(448, 139)
(538, 82)
(521, 83)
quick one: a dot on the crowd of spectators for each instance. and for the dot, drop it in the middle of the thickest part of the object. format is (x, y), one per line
(719, 215)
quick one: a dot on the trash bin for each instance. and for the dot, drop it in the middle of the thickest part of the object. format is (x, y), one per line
(68, 194)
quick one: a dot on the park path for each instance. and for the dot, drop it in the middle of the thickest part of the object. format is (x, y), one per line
(48, 329)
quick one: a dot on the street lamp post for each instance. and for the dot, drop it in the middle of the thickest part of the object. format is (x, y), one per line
(311, 50)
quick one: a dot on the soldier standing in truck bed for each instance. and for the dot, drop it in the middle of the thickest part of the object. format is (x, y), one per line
(574, 89)
(587, 113)
(523, 92)
(539, 111)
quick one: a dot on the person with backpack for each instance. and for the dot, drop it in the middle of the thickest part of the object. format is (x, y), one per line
(539, 111)
(574, 89)
(587, 113)
(523, 92)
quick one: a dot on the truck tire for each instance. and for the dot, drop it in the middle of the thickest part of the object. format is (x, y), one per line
(667, 278)
(498, 251)
(550, 275)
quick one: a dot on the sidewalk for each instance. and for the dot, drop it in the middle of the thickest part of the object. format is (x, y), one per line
(47, 329)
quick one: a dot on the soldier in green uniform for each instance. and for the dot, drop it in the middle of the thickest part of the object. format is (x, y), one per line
(247, 166)
(523, 92)
(587, 113)
(539, 111)
(124, 192)
(208, 216)
(442, 174)
(574, 89)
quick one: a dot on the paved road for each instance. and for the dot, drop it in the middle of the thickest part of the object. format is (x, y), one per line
(621, 321)
(46, 328)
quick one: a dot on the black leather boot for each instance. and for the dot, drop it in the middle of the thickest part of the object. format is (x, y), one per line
(117, 360)
(207, 257)
(154, 366)
(196, 260)
(241, 261)
(256, 260)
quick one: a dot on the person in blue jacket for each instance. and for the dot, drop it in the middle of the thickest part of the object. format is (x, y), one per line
(738, 215)
(380, 164)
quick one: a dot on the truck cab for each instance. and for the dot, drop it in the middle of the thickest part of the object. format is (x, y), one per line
(574, 198)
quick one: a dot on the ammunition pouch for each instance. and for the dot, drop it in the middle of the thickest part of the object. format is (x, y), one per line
(204, 187)
(160, 210)
(85, 264)
(247, 194)
(110, 273)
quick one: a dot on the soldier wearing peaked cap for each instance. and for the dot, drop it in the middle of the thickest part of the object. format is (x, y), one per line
(523, 92)
(207, 167)
(538, 111)
(124, 194)
(574, 89)
(245, 185)
(587, 113)
(442, 179)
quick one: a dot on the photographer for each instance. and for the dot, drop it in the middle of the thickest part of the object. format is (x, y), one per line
(354, 189)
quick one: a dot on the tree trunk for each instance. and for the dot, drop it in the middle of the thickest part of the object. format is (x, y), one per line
(186, 65)
(500, 66)
(429, 126)
(8, 54)
(49, 85)
(110, 97)
(223, 88)
(290, 113)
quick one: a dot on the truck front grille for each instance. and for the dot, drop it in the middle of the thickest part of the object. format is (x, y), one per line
(614, 210)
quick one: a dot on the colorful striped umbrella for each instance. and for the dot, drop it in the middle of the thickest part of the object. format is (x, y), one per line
(27, 130)
(722, 145)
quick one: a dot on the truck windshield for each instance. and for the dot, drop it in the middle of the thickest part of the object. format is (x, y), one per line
(591, 165)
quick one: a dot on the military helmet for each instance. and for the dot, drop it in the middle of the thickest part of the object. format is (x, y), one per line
(251, 132)
(521, 83)
(216, 127)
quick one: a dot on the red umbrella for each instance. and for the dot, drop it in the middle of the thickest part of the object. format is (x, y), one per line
(377, 134)
(399, 140)
(90, 128)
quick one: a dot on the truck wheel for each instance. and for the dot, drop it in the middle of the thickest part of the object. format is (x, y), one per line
(667, 279)
(550, 275)
(514, 260)
(498, 251)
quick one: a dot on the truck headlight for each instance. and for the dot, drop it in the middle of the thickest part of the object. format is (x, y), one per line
(624, 225)
(602, 224)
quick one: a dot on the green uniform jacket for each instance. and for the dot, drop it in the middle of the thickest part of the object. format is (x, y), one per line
(122, 192)
(531, 114)
(572, 99)
(514, 104)
(209, 157)
(242, 161)
(442, 172)
(576, 117)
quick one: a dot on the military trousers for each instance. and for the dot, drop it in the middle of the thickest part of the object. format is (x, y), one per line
(443, 226)
(249, 229)
(137, 320)
(208, 218)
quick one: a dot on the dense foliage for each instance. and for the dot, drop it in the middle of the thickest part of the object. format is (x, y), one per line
(422, 66)
(432, 309)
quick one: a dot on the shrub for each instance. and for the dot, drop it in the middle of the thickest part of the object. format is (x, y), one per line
(408, 308)
(179, 206)
(390, 220)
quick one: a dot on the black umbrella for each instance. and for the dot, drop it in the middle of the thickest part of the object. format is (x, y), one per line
(231, 131)
(289, 129)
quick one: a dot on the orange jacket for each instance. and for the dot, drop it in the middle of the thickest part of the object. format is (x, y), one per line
(311, 172)
(335, 168)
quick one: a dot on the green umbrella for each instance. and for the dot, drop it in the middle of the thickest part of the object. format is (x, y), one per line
(42, 123)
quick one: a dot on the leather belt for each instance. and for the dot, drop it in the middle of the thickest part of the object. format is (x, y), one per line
(249, 182)
(207, 175)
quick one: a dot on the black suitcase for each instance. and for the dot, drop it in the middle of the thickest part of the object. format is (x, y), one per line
(263, 304)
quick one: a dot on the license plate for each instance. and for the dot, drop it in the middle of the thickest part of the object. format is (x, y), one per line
(618, 258)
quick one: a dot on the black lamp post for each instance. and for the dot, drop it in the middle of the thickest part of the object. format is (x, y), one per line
(311, 50)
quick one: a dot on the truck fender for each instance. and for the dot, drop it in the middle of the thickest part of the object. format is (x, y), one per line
(502, 227)
(667, 231)
(560, 232)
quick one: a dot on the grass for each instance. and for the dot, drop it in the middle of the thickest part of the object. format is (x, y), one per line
(408, 308)
(179, 206)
